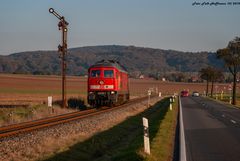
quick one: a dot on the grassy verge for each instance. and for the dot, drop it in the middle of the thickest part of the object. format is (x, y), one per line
(20, 114)
(226, 99)
(163, 143)
(32, 112)
(125, 141)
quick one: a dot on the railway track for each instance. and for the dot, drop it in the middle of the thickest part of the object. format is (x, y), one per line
(25, 127)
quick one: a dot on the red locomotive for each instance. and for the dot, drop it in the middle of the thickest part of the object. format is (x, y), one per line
(107, 84)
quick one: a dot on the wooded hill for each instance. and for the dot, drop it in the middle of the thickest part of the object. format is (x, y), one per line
(137, 60)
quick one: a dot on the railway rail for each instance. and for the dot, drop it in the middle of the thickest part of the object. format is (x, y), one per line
(14, 129)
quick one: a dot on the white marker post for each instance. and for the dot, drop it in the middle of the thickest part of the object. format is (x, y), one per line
(170, 105)
(146, 136)
(230, 89)
(216, 91)
(49, 101)
(221, 95)
(149, 94)
(173, 98)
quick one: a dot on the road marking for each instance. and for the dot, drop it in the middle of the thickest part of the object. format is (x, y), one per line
(233, 121)
(182, 135)
(223, 115)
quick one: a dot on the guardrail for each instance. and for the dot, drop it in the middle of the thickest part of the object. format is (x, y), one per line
(182, 135)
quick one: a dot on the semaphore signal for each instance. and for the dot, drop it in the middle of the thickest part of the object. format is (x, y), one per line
(62, 25)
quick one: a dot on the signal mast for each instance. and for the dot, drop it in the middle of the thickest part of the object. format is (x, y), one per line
(62, 25)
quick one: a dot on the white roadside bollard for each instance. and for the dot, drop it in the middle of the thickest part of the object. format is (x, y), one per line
(146, 135)
(173, 98)
(149, 94)
(170, 105)
(222, 95)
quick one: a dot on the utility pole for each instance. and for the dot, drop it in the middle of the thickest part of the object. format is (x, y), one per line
(62, 25)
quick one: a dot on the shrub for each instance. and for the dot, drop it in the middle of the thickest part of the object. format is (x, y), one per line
(76, 103)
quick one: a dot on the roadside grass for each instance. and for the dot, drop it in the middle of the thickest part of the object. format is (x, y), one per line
(226, 99)
(125, 140)
(163, 143)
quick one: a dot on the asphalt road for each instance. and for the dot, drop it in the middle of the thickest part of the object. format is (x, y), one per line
(212, 130)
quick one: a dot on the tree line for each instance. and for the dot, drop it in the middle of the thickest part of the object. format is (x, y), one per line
(231, 57)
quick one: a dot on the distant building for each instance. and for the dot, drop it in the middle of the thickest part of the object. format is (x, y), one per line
(194, 79)
(141, 76)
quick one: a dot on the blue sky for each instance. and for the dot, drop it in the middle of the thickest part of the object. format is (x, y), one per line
(27, 25)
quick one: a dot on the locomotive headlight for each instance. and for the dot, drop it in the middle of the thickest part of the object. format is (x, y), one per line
(101, 82)
(112, 92)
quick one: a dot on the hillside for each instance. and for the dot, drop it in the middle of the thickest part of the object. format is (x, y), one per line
(137, 60)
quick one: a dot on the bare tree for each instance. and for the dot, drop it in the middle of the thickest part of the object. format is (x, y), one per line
(231, 56)
(205, 74)
(216, 75)
(212, 75)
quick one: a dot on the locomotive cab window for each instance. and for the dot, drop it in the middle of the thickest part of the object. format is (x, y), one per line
(95, 73)
(108, 73)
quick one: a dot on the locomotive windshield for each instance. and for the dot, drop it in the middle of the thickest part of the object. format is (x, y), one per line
(95, 73)
(108, 73)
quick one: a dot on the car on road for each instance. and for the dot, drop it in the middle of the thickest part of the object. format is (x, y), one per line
(195, 94)
(184, 93)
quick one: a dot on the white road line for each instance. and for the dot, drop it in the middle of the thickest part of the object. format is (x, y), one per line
(183, 156)
(233, 121)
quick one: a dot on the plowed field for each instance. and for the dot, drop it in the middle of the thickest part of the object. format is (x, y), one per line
(15, 89)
